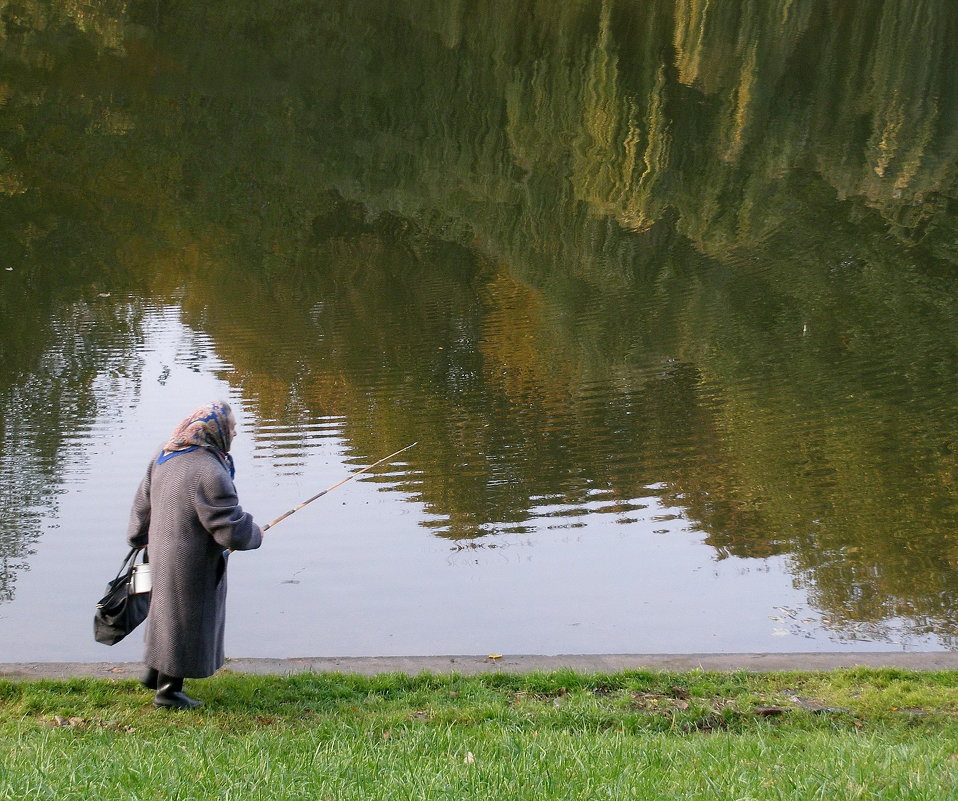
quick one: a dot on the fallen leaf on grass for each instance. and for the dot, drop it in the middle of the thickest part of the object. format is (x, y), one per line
(656, 702)
(469, 758)
(59, 720)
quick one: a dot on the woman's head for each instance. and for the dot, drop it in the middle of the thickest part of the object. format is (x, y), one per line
(212, 425)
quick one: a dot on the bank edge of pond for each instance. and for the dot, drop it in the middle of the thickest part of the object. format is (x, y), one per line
(515, 663)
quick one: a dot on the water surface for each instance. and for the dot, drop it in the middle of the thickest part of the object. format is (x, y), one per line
(665, 294)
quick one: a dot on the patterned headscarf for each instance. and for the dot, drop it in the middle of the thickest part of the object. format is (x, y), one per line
(207, 427)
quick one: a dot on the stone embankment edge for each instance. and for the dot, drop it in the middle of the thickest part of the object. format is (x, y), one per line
(511, 663)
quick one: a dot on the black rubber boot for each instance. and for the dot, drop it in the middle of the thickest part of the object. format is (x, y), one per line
(150, 679)
(170, 695)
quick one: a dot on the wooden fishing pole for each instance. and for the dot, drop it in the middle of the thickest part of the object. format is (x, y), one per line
(350, 477)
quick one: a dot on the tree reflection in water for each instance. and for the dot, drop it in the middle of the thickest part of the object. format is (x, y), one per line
(585, 253)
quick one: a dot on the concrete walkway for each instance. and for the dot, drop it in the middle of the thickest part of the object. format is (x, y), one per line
(510, 663)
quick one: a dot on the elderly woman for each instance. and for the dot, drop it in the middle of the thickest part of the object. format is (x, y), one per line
(187, 511)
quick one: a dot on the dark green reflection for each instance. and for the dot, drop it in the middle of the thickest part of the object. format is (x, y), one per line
(587, 254)
(71, 217)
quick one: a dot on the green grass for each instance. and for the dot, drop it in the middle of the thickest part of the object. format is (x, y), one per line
(858, 734)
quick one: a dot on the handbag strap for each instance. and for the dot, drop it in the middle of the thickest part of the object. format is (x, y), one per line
(127, 565)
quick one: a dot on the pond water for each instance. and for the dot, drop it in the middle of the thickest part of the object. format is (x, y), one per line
(665, 292)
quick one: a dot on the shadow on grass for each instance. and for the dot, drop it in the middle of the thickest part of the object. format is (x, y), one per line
(629, 702)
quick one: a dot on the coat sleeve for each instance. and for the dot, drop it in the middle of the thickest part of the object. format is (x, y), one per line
(219, 512)
(138, 531)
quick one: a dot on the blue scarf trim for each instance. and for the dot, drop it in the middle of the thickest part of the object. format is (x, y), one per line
(166, 456)
(227, 459)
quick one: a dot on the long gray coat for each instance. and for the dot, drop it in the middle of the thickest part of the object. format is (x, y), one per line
(187, 511)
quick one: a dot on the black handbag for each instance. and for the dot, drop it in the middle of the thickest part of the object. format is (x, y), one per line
(125, 603)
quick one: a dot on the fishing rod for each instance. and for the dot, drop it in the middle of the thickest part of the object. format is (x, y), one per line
(350, 477)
